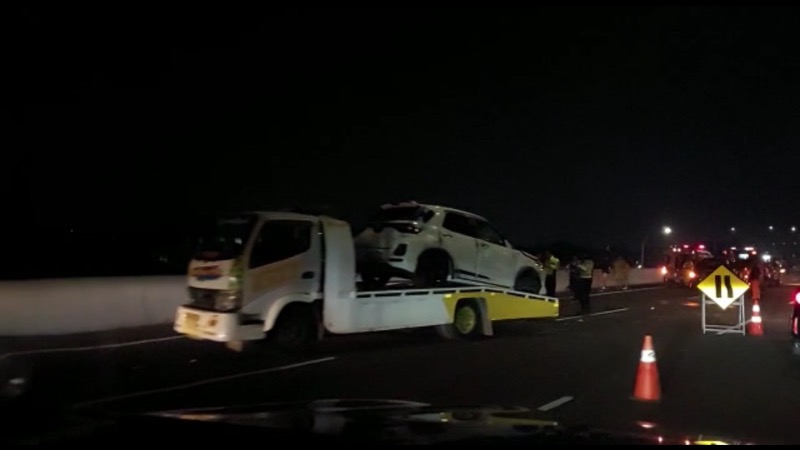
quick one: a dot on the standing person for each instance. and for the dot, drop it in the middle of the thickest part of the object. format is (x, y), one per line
(585, 273)
(621, 272)
(755, 281)
(604, 264)
(574, 277)
(551, 265)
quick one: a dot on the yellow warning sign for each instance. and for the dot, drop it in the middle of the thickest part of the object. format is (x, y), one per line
(723, 286)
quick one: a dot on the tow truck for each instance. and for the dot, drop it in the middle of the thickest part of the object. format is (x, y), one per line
(292, 278)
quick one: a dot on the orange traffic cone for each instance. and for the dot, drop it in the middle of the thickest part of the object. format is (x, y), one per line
(648, 386)
(756, 328)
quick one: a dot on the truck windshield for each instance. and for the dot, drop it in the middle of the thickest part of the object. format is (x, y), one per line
(225, 239)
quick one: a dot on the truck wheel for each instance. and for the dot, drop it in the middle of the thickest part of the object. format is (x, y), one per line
(466, 322)
(433, 269)
(528, 282)
(296, 328)
(15, 377)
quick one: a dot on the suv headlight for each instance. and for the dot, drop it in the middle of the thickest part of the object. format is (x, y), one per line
(228, 300)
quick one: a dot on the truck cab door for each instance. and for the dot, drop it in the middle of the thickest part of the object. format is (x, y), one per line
(284, 259)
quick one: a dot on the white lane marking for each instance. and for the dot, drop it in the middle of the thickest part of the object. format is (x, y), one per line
(555, 403)
(601, 313)
(89, 348)
(204, 382)
(627, 291)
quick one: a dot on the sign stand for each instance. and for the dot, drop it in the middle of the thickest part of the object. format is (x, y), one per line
(739, 328)
(723, 288)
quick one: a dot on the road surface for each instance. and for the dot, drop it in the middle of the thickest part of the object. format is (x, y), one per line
(570, 369)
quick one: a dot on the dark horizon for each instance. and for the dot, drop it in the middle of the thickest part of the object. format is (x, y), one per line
(589, 125)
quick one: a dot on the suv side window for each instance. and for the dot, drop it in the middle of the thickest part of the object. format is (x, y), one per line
(489, 234)
(279, 240)
(461, 224)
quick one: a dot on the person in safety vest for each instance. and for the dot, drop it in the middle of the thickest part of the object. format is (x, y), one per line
(574, 279)
(551, 265)
(585, 274)
(622, 272)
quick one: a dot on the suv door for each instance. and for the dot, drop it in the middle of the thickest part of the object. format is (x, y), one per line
(458, 239)
(497, 263)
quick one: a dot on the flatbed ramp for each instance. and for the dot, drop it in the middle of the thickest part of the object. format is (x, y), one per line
(469, 309)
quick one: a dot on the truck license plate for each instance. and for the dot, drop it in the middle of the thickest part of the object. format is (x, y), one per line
(192, 322)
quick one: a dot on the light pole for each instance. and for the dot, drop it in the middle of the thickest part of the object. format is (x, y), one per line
(665, 230)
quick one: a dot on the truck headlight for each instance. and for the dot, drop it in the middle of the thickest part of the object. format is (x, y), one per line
(228, 300)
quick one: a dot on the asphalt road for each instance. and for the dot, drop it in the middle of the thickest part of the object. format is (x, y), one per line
(573, 370)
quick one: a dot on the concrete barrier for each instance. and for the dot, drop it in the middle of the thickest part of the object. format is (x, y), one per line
(65, 306)
(636, 277)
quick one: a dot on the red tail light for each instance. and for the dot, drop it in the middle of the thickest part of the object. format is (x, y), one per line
(797, 297)
(663, 271)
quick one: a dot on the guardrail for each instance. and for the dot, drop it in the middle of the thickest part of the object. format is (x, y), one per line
(66, 306)
(636, 277)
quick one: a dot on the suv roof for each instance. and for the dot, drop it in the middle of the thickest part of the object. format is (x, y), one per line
(438, 208)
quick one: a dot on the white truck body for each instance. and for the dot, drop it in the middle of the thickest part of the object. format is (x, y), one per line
(236, 298)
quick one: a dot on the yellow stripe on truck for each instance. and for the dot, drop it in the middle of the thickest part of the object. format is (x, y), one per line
(505, 306)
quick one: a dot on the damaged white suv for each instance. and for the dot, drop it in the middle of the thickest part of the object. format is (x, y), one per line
(433, 245)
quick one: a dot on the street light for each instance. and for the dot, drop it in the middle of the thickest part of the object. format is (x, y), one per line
(665, 230)
(794, 229)
(771, 228)
(733, 229)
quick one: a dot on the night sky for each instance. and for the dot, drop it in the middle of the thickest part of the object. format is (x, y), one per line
(590, 125)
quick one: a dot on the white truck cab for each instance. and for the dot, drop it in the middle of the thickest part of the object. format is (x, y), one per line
(293, 277)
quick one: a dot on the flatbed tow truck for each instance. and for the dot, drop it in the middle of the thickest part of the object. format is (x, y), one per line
(292, 278)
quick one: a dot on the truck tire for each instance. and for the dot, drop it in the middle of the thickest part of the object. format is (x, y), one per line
(15, 377)
(297, 328)
(466, 322)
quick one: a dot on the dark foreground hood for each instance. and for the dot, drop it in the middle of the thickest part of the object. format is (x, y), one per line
(346, 422)
(403, 422)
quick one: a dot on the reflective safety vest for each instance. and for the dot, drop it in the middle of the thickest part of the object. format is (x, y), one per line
(586, 268)
(551, 265)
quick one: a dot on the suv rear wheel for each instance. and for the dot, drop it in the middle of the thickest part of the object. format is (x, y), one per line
(374, 280)
(433, 269)
(528, 282)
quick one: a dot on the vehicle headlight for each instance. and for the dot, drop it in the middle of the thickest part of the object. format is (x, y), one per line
(228, 300)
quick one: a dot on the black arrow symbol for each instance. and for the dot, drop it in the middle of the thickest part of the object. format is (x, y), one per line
(718, 285)
(728, 286)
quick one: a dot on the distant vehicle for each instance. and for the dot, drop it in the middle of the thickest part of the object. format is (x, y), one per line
(433, 245)
(773, 273)
(685, 265)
